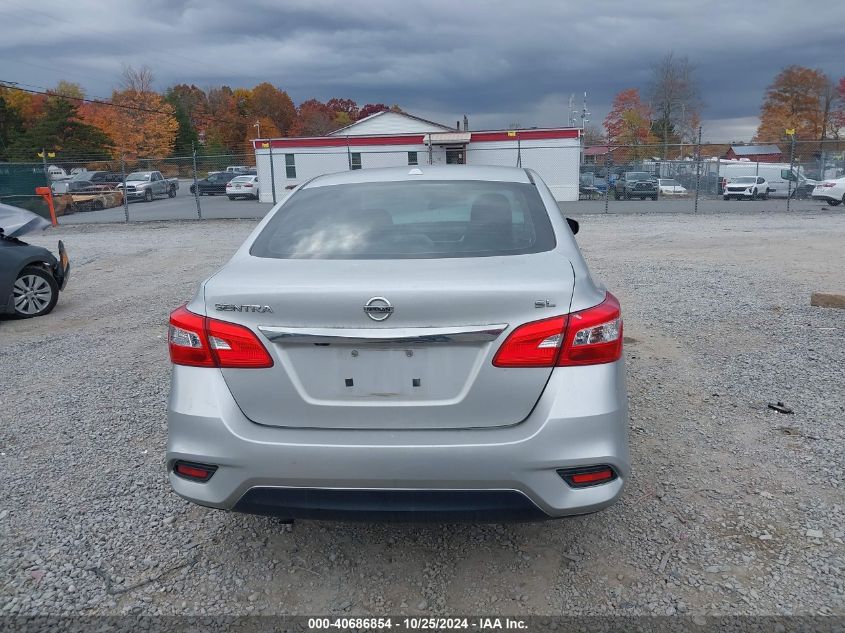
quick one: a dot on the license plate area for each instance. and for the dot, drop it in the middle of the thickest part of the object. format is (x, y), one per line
(380, 372)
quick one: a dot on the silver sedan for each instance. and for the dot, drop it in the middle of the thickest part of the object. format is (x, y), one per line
(422, 344)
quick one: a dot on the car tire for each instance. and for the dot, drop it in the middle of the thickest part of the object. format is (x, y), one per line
(148, 195)
(654, 198)
(35, 292)
(835, 203)
(98, 205)
(171, 193)
(754, 193)
(232, 197)
(726, 198)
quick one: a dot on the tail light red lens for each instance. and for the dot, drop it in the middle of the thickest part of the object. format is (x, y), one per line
(534, 344)
(588, 337)
(187, 340)
(593, 336)
(199, 341)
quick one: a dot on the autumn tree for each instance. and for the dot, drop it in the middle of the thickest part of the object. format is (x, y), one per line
(60, 130)
(629, 122)
(839, 112)
(275, 107)
(228, 127)
(69, 90)
(371, 108)
(190, 108)
(675, 100)
(139, 120)
(27, 106)
(313, 118)
(802, 99)
(593, 135)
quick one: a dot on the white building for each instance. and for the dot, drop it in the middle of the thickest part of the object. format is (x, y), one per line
(392, 139)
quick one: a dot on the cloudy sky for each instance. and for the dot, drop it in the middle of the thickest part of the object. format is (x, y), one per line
(498, 62)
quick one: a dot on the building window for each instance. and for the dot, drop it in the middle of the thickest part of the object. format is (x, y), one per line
(412, 158)
(290, 166)
(355, 160)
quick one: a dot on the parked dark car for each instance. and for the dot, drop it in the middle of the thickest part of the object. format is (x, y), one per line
(635, 184)
(214, 184)
(31, 277)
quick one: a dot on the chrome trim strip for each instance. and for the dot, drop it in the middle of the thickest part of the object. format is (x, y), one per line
(382, 336)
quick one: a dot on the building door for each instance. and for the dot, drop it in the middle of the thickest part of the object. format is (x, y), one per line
(455, 155)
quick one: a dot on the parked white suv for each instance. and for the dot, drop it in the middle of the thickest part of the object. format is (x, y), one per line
(830, 191)
(746, 187)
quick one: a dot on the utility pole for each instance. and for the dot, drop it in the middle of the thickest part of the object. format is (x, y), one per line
(44, 160)
(257, 124)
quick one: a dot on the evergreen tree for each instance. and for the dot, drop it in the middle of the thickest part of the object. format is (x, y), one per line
(59, 130)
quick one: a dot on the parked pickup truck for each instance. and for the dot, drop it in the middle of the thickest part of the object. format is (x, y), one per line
(635, 184)
(146, 185)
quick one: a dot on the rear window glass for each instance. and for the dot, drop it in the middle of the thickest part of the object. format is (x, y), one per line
(408, 220)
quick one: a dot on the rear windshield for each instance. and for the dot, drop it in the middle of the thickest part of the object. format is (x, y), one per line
(408, 220)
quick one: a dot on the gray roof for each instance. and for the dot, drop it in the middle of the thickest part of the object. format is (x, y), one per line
(747, 150)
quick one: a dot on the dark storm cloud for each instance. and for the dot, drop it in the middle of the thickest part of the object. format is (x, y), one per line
(499, 62)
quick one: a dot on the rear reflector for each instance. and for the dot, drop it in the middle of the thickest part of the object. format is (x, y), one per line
(588, 476)
(588, 337)
(195, 472)
(198, 341)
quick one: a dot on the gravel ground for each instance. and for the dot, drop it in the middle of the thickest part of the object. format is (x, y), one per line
(733, 507)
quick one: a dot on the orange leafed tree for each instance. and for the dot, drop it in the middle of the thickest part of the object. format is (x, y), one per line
(629, 123)
(139, 120)
(314, 118)
(270, 104)
(801, 99)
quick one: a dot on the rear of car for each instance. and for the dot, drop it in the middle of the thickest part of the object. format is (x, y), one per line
(242, 187)
(830, 191)
(402, 345)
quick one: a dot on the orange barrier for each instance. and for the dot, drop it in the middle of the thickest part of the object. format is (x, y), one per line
(47, 194)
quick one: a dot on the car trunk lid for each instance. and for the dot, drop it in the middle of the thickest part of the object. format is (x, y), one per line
(427, 363)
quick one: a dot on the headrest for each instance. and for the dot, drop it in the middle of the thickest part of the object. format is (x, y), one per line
(492, 208)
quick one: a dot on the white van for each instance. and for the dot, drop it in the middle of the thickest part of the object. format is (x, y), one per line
(777, 175)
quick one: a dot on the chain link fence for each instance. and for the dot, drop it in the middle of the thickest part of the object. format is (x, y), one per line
(584, 179)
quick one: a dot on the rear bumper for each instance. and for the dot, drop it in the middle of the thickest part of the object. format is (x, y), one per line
(479, 474)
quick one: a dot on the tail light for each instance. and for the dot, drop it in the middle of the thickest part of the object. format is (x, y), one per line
(199, 341)
(828, 184)
(588, 337)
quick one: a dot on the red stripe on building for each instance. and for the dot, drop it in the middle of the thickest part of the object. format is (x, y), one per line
(525, 135)
(413, 139)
